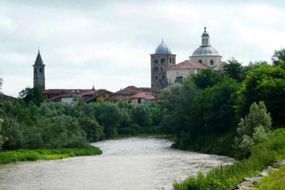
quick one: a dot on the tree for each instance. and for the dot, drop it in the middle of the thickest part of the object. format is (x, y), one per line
(108, 115)
(177, 104)
(142, 116)
(2, 138)
(206, 78)
(264, 83)
(32, 95)
(234, 70)
(92, 129)
(278, 56)
(213, 111)
(253, 128)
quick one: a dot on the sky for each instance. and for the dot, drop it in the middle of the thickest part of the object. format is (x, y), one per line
(108, 43)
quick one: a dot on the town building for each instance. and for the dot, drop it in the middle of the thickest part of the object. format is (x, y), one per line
(135, 95)
(165, 71)
(66, 95)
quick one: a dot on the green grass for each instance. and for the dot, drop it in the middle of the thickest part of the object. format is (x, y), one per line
(274, 181)
(8, 156)
(227, 177)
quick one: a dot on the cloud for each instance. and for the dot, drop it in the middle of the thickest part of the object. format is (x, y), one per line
(108, 43)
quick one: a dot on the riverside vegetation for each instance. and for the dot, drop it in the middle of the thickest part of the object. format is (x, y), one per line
(238, 113)
(34, 129)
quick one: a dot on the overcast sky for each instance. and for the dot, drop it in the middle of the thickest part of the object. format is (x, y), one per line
(107, 43)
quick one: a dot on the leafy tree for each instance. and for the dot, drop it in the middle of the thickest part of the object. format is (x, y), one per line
(108, 115)
(234, 70)
(213, 111)
(92, 129)
(278, 56)
(2, 138)
(34, 95)
(177, 103)
(206, 78)
(253, 128)
(156, 114)
(264, 83)
(142, 115)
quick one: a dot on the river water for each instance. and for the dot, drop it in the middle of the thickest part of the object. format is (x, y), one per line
(126, 164)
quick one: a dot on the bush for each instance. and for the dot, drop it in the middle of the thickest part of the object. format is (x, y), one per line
(252, 129)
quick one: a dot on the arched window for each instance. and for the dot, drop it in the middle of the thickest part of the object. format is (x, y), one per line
(200, 61)
(212, 62)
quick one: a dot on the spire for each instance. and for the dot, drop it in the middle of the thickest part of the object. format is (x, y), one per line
(205, 38)
(39, 60)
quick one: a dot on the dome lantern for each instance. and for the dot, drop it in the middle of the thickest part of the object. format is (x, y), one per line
(205, 38)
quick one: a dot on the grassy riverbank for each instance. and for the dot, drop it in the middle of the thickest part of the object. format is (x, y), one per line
(275, 180)
(8, 156)
(227, 177)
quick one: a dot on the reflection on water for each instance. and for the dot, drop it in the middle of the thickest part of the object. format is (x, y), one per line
(126, 164)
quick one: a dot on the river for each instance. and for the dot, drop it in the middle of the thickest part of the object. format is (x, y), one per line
(126, 164)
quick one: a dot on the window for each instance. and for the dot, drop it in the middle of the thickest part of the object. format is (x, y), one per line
(162, 77)
(212, 62)
(179, 79)
(200, 61)
(156, 61)
(155, 77)
(206, 41)
(41, 70)
(162, 60)
(161, 69)
(170, 60)
(155, 69)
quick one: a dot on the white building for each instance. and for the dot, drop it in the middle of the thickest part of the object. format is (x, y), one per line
(204, 57)
(179, 72)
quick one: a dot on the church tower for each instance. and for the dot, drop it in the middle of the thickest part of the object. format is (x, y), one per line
(160, 61)
(39, 72)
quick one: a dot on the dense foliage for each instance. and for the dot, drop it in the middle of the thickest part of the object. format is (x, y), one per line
(227, 177)
(205, 111)
(264, 83)
(229, 113)
(58, 125)
(200, 109)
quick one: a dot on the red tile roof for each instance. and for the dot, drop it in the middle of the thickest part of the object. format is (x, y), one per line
(143, 95)
(187, 64)
(126, 93)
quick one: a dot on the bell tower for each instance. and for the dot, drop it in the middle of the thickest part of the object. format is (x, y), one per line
(160, 61)
(39, 72)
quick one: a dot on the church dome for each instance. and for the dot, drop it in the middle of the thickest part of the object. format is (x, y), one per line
(205, 50)
(162, 49)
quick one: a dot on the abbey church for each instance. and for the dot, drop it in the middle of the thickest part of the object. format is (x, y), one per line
(165, 71)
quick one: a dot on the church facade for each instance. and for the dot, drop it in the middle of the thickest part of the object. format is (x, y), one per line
(165, 71)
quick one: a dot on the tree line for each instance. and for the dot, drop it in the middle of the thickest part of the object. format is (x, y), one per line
(59, 125)
(226, 113)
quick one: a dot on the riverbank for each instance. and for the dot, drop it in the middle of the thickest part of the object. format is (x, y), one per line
(9, 156)
(228, 177)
